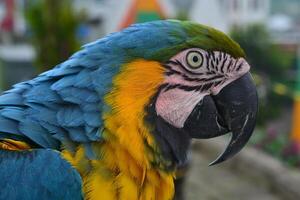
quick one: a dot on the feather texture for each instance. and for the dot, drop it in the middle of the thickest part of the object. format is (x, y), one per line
(37, 174)
(92, 108)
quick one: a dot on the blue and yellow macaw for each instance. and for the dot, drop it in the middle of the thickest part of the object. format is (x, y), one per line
(116, 119)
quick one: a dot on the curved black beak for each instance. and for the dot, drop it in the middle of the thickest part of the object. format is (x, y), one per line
(233, 110)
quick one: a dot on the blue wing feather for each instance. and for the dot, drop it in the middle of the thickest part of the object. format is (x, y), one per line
(41, 93)
(70, 116)
(42, 174)
(83, 80)
(13, 113)
(9, 126)
(92, 119)
(34, 131)
(64, 82)
(62, 71)
(11, 99)
(78, 134)
(94, 134)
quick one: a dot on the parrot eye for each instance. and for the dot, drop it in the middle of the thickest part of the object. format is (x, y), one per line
(194, 59)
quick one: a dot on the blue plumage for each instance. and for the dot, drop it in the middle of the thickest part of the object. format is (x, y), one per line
(34, 131)
(84, 79)
(13, 113)
(70, 116)
(37, 174)
(8, 126)
(64, 106)
(11, 99)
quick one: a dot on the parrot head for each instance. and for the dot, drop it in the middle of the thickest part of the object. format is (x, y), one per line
(191, 80)
(208, 94)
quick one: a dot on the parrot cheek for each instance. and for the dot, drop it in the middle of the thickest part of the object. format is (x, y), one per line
(175, 105)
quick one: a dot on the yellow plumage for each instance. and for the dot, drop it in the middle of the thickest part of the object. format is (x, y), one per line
(123, 167)
(13, 145)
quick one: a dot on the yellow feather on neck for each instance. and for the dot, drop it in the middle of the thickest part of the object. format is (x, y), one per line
(133, 89)
(123, 168)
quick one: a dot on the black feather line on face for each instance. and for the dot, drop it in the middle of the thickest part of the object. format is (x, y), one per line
(238, 68)
(230, 66)
(185, 77)
(207, 61)
(213, 78)
(178, 63)
(223, 65)
(182, 87)
(213, 61)
(217, 63)
(171, 71)
(211, 64)
(218, 83)
(210, 73)
(207, 86)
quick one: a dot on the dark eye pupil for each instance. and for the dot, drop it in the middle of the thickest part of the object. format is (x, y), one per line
(195, 59)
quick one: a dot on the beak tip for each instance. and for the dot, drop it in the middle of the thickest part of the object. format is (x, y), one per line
(223, 157)
(215, 162)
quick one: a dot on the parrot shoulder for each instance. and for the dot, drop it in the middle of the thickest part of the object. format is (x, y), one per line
(63, 104)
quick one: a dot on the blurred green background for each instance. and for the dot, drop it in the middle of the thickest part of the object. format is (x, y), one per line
(35, 35)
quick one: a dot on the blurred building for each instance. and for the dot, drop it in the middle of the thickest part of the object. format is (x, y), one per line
(225, 14)
(12, 22)
(15, 64)
(106, 16)
(285, 30)
(103, 16)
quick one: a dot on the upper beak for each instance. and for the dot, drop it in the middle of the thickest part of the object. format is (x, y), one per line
(233, 110)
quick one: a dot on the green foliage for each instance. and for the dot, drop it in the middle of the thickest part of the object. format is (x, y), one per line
(278, 145)
(53, 25)
(262, 55)
(269, 62)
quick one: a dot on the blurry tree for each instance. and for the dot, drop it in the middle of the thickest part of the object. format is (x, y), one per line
(271, 65)
(53, 25)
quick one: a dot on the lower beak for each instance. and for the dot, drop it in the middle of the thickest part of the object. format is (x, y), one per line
(233, 110)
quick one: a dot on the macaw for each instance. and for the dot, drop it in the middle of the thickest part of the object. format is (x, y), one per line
(116, 119)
